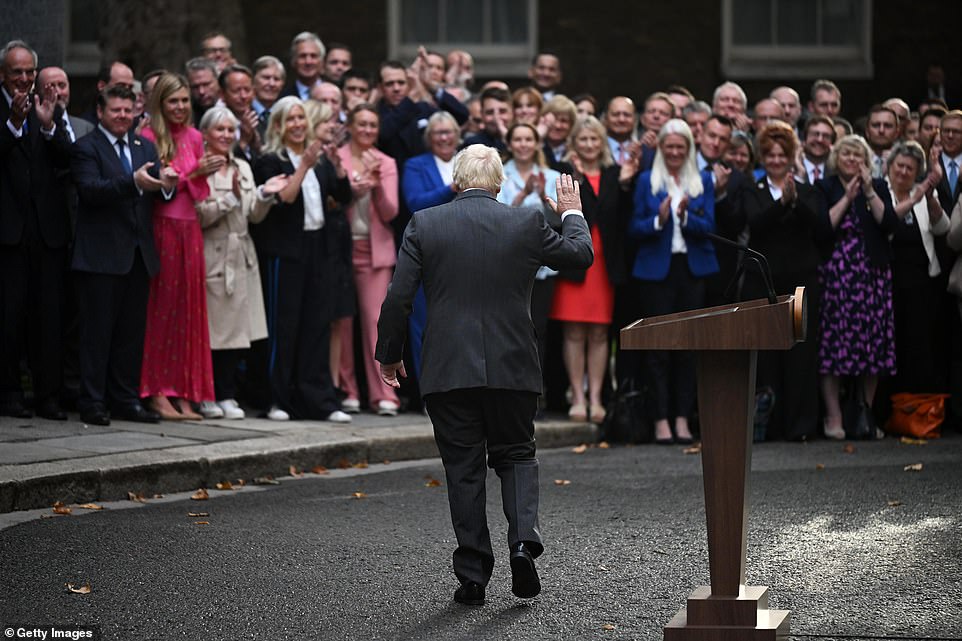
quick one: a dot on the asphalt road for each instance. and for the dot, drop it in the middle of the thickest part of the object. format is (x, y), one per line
(856, 546)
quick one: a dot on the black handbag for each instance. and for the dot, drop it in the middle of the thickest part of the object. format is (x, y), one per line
(627, 420)
(857, 415)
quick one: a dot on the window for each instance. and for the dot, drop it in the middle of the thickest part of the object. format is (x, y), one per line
(82, 37)
(500, 34)
(797, 38)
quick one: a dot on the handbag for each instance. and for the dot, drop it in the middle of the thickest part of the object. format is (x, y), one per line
(627, 420)
(917, 415)
(857, 415)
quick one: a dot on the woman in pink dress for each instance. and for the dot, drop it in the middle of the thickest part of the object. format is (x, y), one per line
(177, 361)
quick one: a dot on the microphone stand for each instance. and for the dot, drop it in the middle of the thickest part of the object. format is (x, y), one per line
(756, 258)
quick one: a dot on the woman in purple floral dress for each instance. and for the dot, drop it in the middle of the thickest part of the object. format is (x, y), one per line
(856, 324)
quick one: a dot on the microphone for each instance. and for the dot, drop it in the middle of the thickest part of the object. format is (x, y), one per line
(757, 258)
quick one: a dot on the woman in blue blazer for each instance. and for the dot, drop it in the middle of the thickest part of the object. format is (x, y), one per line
(674, 210)
(423, 186)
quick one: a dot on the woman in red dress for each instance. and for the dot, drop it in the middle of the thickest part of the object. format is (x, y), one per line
(177, 361)
(585, 300)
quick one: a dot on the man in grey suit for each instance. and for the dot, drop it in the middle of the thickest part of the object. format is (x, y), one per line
(481, 375)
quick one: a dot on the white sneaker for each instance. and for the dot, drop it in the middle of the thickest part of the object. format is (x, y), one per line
(210, 409)
(277, 414)
(387, 408)
(231, 409)
(351, 405)
(337, 416)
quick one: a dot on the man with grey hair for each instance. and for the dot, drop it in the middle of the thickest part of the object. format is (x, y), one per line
(481, 375)
(730, 100)
(307, 62)
(204, 88)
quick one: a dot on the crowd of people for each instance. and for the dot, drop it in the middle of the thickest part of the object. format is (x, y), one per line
(220, 238)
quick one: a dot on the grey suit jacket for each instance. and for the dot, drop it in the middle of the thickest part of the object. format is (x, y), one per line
(80, 126)
(477, 259)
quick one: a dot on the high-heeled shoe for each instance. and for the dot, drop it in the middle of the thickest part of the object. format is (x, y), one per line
(578, 413)
(598, 414)
(163, 407)
(186, 411)
(833, 432)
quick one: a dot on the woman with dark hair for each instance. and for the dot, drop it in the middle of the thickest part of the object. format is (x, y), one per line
(783, 215)
(176, 368)
(374, 182)
(526, 104)
(920, 332)
(584, 299)
(297, 265)
(856, 325)
(674, 209)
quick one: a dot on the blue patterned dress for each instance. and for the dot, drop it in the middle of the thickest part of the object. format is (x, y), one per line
(857, 324)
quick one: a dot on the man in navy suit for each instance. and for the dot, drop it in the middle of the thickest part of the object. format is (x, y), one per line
(477, 259)
(34, 231)
(117, 179)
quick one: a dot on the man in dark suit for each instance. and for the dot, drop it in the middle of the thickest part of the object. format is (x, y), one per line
(34, 230)
(481, 375)
(116, 174)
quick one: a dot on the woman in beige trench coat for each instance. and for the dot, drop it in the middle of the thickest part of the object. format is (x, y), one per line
(235, 303)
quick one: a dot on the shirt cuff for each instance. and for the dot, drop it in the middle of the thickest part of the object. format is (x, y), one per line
(657, 223)
(17, 133)
(571, 212)
(48, 133)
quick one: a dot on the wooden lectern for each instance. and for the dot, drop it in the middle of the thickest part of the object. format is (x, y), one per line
(726, 339)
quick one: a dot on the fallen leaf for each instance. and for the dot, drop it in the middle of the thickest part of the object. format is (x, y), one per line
(603, 445)
(136, 496)
(201, 522)
(361, 465)
(905, 440)
(694, 449)
(265, 480)
(581, 449)
(293, 471)
(158, 496)
(240, 483)
(915, 467)
(79, 589)
(819, 466)
(895, 503)
(359, 495)
(60, 508)
(385, 462)
(432, 483)
(198, 514)
(90, 506)
(848, 448)
(200, 495)
(319, 469)
(226, 485)
(608, 627)
(344, 464)
(562, 482)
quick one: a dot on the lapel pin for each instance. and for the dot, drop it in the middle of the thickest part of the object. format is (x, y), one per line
(136, 142)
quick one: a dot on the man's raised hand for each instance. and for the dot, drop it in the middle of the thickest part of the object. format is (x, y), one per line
(569, 194)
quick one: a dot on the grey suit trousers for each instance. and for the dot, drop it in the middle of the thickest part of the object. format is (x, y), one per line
(468, 423)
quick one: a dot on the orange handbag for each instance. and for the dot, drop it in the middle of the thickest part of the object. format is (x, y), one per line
(917, 415)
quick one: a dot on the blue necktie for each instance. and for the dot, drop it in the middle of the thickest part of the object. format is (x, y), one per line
(123, 157)
(953, 175)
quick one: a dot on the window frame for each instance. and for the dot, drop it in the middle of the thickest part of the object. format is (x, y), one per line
(490, 60)
(80, 57)
(796, 61)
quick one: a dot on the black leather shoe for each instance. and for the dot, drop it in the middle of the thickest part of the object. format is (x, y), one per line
(49, 408)
(95, 416)
(16, 409)
(137, 413)
(470, 594)
(525, 583)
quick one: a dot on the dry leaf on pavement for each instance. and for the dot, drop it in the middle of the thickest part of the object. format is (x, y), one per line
(319, 469)
(90, 506)
(581, 449)
(694, 449)
(905, 440)
(359, 495)
(344, 464)
(136, 496)
(79, 589)
(293, 471)
(198, 514)
(603, 445)
(915, 467)
(848, 448)
(265, 480)
(201, 522)
(200, 495)
(432, 482)
(226, 485)
(895, 503)
(562, 482)
(608, 627)
(819, 466)
(60, 508)
(361, 465)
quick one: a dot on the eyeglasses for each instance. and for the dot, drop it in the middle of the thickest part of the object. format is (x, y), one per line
(951, 132)
(439, 133)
